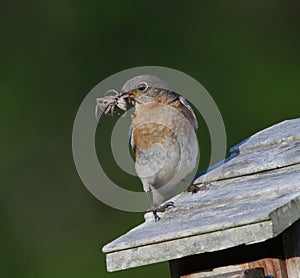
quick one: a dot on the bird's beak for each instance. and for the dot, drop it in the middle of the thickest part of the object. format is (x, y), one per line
(133, 94)
(130, 94)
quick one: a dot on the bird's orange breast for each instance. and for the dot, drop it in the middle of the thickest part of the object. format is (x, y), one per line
(147, 134)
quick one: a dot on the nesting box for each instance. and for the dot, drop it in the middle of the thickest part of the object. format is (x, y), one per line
(244, 222)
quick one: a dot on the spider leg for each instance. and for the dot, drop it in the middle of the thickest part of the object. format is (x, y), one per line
(108, 109)
(96, 111)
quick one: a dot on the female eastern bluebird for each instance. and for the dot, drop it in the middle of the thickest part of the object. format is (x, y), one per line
(162, 137)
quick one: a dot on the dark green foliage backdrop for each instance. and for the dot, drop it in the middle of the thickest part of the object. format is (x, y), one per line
(246, 53)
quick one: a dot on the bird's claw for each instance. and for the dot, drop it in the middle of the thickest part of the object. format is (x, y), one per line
(194, 188)
(166, 206)
(162, 208)
(156, 217)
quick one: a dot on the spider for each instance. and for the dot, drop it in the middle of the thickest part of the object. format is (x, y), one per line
(110, 101)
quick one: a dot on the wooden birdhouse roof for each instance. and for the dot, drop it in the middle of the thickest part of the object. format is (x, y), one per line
(251, 197)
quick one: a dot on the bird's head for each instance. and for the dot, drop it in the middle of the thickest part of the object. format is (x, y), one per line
(144, 88)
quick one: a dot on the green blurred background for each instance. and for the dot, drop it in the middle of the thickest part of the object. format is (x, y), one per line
(246, 54)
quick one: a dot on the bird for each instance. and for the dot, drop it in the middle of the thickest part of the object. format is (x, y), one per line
(162, 137)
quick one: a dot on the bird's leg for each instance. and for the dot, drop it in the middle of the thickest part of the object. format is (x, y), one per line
(155, 209)
(152, 209)
(165, 206)
(156, 217)
(149, 195)
(161, 208)
(192, 188)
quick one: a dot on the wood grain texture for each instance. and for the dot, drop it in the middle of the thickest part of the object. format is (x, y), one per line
(271, 266)
(219, 217)
(291, 244)
(272, 148)
(257, 203)
(229, 272)
(229, 260)
(248, 273)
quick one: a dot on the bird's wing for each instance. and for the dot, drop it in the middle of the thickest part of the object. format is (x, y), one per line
(186, 103)
(131, 140)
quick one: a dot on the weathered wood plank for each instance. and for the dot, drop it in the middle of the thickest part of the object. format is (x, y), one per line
(254, 198)
(283, 132)
(235, 271)
(255, 162)
(291, 244)
(168, 250)
(271, 148)
(271, 266)
(238, 258)
(249, 273)
(226, 204)
(237, 204)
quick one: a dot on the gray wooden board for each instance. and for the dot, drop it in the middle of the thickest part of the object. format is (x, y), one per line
(272, 148)
(258, 160)
(285, 131)
(174, 249)
(241, 210)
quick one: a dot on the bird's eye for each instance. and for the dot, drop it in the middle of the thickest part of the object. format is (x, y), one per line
(143, 86)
